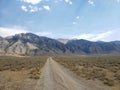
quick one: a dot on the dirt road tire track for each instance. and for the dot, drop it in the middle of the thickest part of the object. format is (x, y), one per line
(55, 77)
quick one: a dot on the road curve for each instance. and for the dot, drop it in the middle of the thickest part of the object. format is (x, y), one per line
(55, 77)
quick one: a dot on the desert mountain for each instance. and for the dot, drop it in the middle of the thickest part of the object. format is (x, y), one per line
(64, 41)
(31, 44)
(88, 47)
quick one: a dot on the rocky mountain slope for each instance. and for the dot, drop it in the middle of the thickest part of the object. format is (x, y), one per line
(64, 41)
(88, 47)
(31, 44)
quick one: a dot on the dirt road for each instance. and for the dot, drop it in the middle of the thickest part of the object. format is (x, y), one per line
(55, 77)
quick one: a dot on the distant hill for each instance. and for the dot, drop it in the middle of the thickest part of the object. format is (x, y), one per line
(31, 44)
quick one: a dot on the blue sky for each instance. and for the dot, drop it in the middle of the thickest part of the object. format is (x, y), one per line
(81, 19)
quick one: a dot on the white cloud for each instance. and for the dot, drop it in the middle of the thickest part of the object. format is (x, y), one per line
(8, 31)
(77, 17)
(83, 36)
(24, 8)
(32, 1)
(102, 36)
(105, 36)
(33, 8)
(46, 7)
(91, 2)
(68, 1)
(74, 23)
(115, 35)
(46, 34)
(52, 35)
(30, 8)
(57, 1)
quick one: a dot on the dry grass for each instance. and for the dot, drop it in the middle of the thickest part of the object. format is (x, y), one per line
(20, 73)
(19, 63)
(105, 68)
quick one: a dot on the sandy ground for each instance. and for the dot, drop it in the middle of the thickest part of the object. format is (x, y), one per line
(55, 77)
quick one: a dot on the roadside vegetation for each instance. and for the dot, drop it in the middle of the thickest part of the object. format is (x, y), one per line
(16, 71)
(104, 68)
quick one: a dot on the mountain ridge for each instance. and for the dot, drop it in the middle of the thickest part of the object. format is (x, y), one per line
(31, 44)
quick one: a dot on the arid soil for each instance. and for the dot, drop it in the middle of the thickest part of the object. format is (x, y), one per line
(55, 77)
